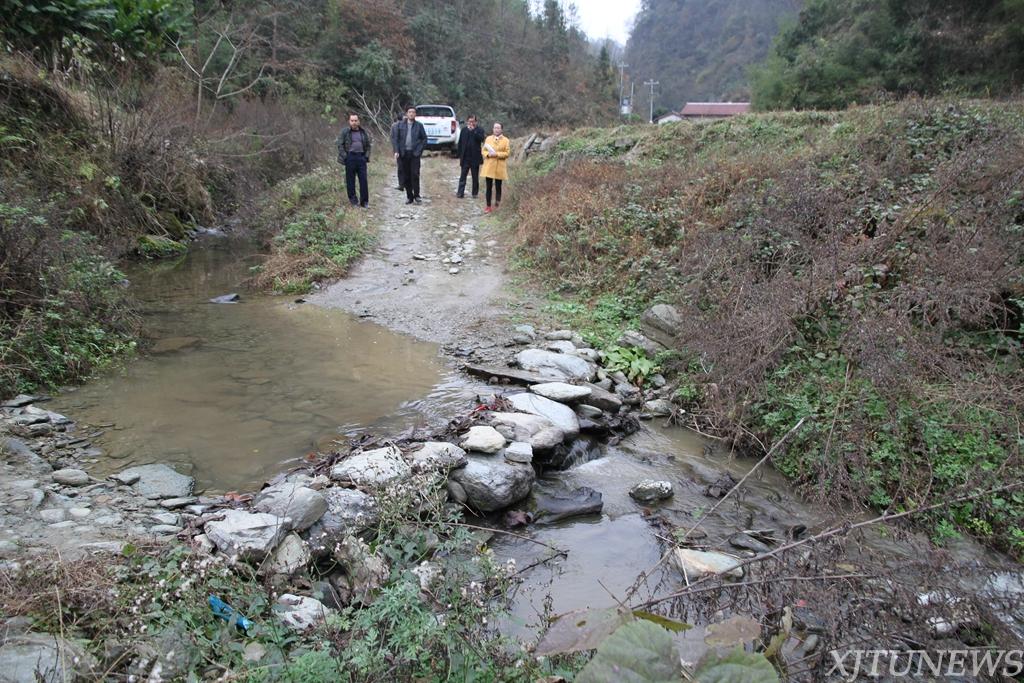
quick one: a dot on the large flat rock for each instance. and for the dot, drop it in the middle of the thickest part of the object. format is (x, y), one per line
(157, 481)
(374, 469)
(559, 414)
(247, 535)
(301, 506)
(557, 366)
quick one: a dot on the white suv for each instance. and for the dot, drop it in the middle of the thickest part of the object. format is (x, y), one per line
(441, 124)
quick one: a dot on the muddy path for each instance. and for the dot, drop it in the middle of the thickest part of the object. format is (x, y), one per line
(438, 272)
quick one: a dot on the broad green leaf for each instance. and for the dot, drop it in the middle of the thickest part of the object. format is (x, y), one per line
(580, 630)
(736, 667)
(638, 652)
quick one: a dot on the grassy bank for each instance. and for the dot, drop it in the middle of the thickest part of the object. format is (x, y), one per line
(419, 599)
(863, 269)
(312, 233)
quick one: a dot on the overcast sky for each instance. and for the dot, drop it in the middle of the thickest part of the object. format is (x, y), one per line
(611, 18)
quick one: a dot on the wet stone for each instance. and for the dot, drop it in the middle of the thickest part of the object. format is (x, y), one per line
(71, 477)
(650, 491)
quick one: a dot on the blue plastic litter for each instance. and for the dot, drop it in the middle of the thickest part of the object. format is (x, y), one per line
(229, 614)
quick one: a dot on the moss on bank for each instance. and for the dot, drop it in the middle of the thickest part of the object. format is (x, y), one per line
(312, 232)
(862, 269)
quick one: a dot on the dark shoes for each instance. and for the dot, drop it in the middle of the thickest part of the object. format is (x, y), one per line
(408, 201)
(417, 200)
(460, 196)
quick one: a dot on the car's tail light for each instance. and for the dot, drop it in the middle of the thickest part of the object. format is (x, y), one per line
(453, 127)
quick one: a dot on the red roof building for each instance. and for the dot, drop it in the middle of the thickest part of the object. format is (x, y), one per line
(714, 110)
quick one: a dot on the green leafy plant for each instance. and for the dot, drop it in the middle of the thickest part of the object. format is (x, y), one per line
(633, 362)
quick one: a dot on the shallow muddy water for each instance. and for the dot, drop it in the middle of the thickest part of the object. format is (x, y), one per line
(234, 392)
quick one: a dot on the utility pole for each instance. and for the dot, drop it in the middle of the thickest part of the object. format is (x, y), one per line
(652, 83)
(622, 76)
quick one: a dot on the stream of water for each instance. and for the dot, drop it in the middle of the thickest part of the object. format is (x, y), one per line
(235, 393)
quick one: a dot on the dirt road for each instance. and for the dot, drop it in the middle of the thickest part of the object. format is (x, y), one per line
(438, 271)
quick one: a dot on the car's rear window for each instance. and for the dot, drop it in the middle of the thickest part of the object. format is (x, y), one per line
(435, 111)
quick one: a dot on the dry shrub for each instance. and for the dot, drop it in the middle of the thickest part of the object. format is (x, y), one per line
(863, 270)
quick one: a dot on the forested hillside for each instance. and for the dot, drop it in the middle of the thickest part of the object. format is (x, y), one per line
(703, 49)
(124, 125)
(845, 51)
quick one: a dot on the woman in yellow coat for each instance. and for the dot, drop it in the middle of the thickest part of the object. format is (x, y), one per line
(495, 150)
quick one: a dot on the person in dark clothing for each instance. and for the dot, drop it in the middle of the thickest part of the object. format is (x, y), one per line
(470, 140)
(354, 152)
(409, 139)
(394, 148)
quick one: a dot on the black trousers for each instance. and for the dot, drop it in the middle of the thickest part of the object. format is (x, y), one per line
(355, 167)
(401, 174)
(411, 173)
(466, 170)
(496, 184)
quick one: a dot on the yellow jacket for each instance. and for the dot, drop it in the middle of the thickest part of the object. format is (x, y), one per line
(496, 167)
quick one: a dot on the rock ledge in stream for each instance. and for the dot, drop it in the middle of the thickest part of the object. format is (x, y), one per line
(650, 491)
(560, 415)
(156, 481)
(561, 392)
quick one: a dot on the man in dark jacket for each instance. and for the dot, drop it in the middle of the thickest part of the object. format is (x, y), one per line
(470, 140)
(394, 148)
(354, 153)
(409, 139)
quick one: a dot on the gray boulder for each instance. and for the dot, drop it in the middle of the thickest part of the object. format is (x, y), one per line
(301, 506)
(290, 557)
(71, 477)
(483, 439)
(44, 658)
(558, 414)
(156, 481)
(247, 535)
(560, 346)
(349, 512)
(650, 491)
(661, 323)
(659, 407)
(634, 340)
(438, 455)
(550, 507)
(559, 335)
(557, 366)
(492, 484)
(375, 469)
(561, 392)
(301, 613)
(519, 452)
(537, 431)
(226, 299)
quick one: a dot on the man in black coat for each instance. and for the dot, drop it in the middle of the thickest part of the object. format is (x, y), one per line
(470, 140)
(354, 152)
(409, 139)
